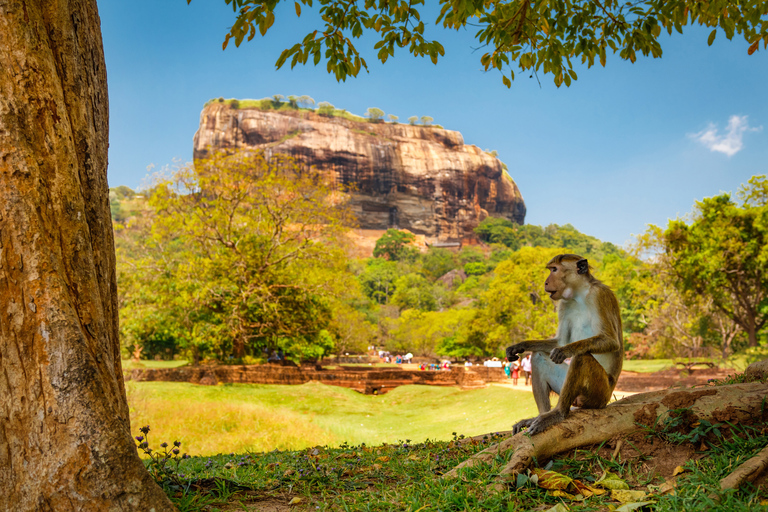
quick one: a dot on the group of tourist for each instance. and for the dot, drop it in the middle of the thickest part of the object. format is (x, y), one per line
(512, 369)
(387, 357)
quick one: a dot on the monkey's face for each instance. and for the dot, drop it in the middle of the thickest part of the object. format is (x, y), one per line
(556, 284)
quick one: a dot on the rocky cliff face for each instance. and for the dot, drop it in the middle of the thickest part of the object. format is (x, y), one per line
(418, 178)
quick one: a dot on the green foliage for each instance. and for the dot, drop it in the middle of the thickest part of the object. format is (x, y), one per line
(392, 118)
(502, 231)
(437, 262)
(514, 307)
(431, 333)
(476, 268)
(115, 208)
(722, 256)
(306, 101)
(535, 36)
(412, 120)
(235, 104)
(394, 245)
(242, 255)
(324, 108)
(426, 120)
(374, 114)
(413, 291)
(378, 280)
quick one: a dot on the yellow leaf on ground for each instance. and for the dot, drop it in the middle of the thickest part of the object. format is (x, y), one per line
(558, 508)
(626, 496)
(413, 457)
(665, 488)
(678, 470)
(587, 490)
(611, 481)
(383, 459)
(629, 507)
(563, 494)
(295, 501)
(552, 480)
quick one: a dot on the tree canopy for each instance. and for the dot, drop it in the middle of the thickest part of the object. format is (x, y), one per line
(722, 255)
(245, 255)
(532, 35)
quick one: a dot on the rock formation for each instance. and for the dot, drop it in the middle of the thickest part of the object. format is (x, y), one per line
(420, 178)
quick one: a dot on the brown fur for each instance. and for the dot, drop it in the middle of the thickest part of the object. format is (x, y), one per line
(584, 305)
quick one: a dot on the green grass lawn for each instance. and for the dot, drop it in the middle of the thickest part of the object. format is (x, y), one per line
(648, 365)
(129, 364)
(236, 418)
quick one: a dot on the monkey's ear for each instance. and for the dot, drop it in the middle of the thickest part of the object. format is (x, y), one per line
(582, 266)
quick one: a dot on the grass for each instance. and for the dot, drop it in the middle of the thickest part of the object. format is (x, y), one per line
(130, 364)
(250, 417)
(406, 476)
(648, 365)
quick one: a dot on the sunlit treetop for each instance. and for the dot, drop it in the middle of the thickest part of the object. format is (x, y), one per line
(541, 36)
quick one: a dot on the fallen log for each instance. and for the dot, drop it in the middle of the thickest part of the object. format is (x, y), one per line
(733, 403)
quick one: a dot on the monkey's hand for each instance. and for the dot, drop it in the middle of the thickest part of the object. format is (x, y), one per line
(513, 351)
(559, 354)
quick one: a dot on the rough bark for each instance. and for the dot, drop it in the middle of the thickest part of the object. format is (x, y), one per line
(747, 471)
(65, 440)
(735, 403)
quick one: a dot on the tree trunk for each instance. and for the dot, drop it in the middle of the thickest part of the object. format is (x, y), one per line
(65, 440)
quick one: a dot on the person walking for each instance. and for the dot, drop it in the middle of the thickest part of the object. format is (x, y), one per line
(515, 371)
(526, 365)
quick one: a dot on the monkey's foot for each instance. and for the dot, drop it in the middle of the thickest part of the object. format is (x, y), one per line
(520, 425)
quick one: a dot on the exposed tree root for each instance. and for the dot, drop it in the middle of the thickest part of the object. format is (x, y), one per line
(734, 403)
(747, 472)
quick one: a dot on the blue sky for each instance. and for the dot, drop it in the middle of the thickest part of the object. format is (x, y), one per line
(625, 146)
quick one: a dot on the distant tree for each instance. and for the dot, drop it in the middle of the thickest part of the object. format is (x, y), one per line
(277, 99)
(392, 118)
(260, 253)
(293, 101)
(353, 333)
(476, 268)
(123, 192)
(533, 36)
(515, 306)
(378, 279)
(437, 262)
(412, 119)
(426, 120)
(374, 114)
(306, 101)
(325, 109)
(115, 208)
(413, 291)
(394, 245)
(428, 333)
(235, 104)
(723, 255)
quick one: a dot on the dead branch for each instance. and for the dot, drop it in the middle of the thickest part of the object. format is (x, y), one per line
(746, 472)
(734, 403)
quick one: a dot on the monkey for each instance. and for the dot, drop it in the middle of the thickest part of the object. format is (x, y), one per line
(588, 331)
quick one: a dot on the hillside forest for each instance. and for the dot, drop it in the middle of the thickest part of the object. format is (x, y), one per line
(235, 257)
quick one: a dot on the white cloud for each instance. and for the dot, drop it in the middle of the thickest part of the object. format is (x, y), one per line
(732, 141)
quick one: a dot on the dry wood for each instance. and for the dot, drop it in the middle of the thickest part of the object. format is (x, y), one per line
(746, 472)
(734, 403)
